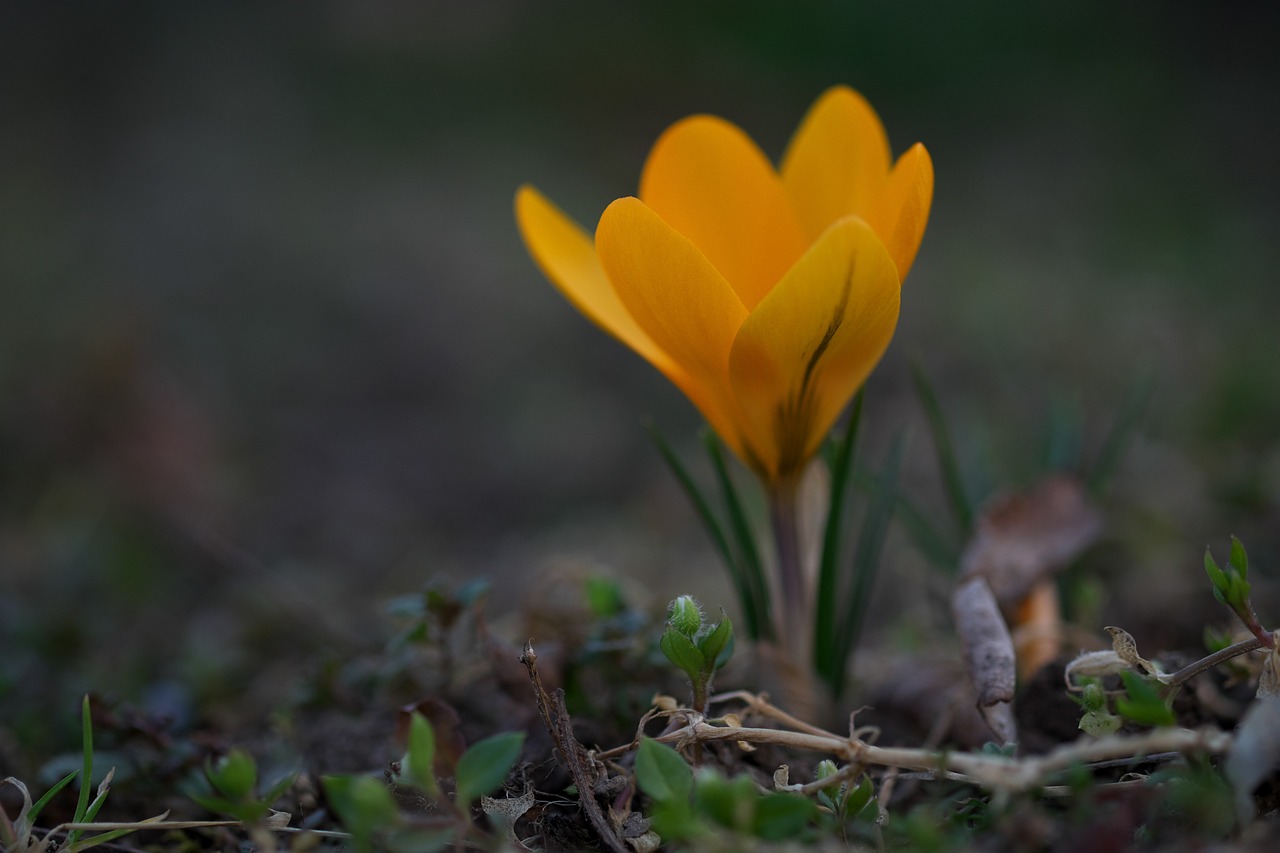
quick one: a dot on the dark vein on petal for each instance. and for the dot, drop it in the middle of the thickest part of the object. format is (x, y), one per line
(796, 412)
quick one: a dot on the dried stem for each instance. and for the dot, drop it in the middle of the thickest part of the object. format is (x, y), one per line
(573, 756)
(760, 704)
(987, 771)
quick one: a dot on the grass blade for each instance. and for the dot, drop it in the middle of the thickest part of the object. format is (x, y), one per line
(840, 462)
(104, 788)
(936, 547)
(953, 482)
(866, 561)
(756, 606)
(1127, 419)
(86, 776)
(708, 517)
(119, 831)
(100, 839)
(34, 811)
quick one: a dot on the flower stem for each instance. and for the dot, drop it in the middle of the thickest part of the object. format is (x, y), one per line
(783, 499)
(1250, 619)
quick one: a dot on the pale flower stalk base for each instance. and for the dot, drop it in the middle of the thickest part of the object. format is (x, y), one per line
(794, 586)
(794, 631)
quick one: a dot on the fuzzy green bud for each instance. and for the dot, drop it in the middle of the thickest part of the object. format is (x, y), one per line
(685, 616)
(1093, 699)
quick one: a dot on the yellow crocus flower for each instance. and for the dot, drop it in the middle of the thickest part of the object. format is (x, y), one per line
(766, 295)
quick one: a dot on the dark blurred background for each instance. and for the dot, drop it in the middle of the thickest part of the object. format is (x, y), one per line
(271, 350)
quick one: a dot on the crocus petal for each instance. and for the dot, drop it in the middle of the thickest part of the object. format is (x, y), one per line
(678, 298)
(903, 210)
(837, 161)
(712, 184)
(566, 256)
(811, 343)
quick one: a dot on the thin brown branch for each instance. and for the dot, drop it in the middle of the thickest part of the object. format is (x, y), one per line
(574, 758)
(987, 771)
(530, 660)
(1221, 656)
(759, 704)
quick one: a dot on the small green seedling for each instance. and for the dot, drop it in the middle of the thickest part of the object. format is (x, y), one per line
(484, 766)
(232, 789)
(668, 780)
(1231, 587)
(1142, 702)
(688, 806)
(1097, 719)
(440, 613)
(19, 835)
(695, 647)
(416, 766)
(845, 801)
(369, 810)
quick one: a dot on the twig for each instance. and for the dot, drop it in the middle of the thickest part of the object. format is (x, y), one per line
(759, 704)
(530, 660)
(991, 772)
(555, 716)
(1221, 656)
(934, 737)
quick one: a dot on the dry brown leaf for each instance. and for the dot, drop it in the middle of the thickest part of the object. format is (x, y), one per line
(445, 724)
(1126, 648)
(988, 653)
(1026, 537)
(504, 813)
(782, 777)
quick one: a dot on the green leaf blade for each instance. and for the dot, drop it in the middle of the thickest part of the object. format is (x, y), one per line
(485, 766)
(364, 805)
(714, 644)
(1216, 576)
(780, 817)
(86, 775)
(871, 538)
(1142, 702)
(756, 606)
(235, 775)
(1238, 559)
(828, 594)
(709, 520)
(681, 651)
(422, 754)
(662, 774)
(729, 802)
(35, 810)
